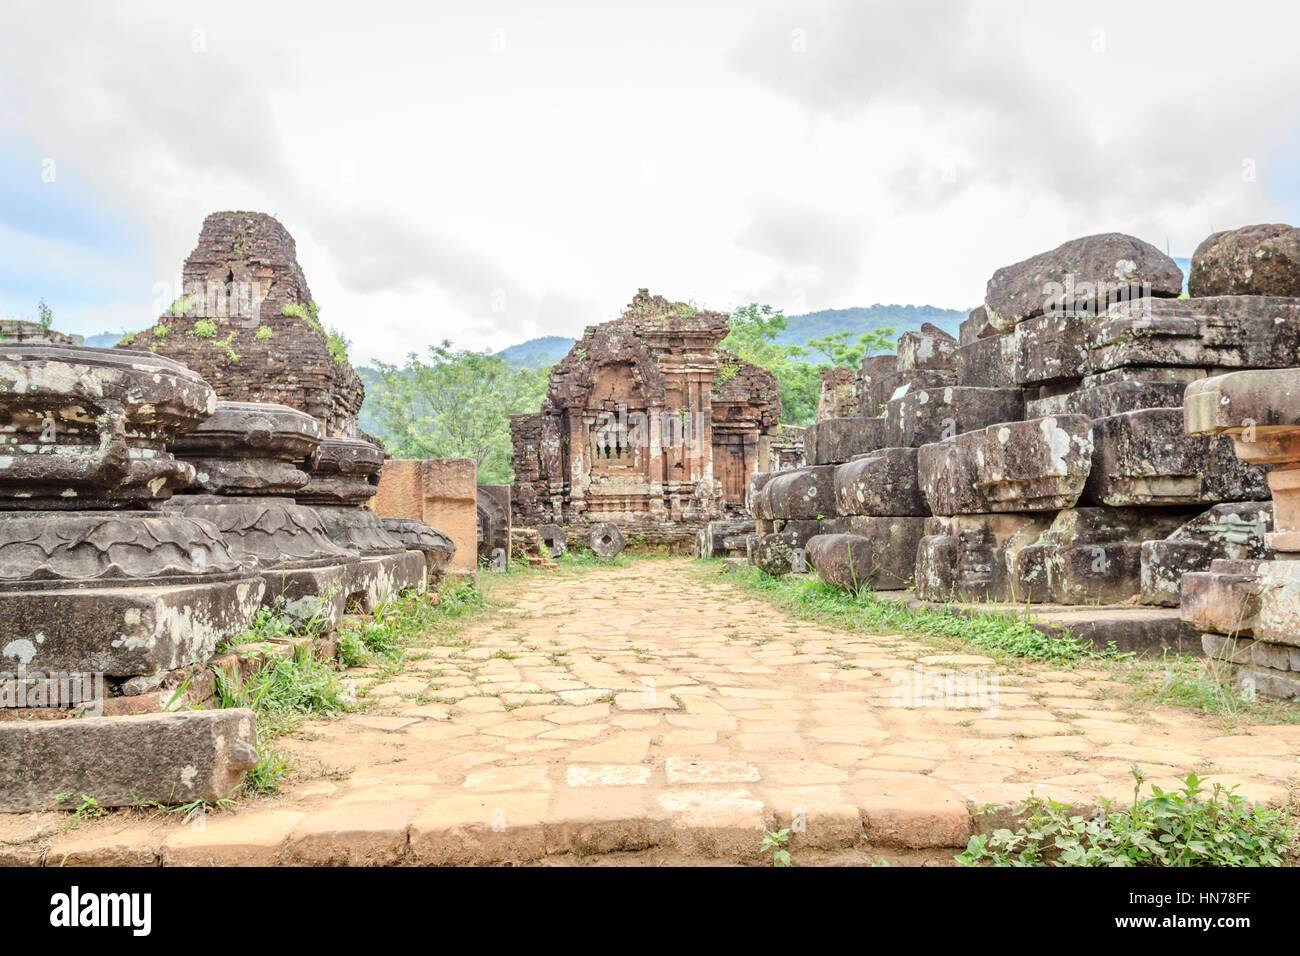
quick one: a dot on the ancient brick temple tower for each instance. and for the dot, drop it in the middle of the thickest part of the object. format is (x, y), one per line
(648, 424)
(246, 321)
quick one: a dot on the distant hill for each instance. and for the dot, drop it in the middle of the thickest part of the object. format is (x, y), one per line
(537, 353)
(104, 340)
(902, 318)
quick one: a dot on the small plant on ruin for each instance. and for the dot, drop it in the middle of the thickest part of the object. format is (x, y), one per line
(293, 310)
(774, 843)
(44, 314)
(204, 329)
(263, 332)
(1190, 826)
(161, 331)
(126, 339)
(338, 346)
(182, 305)
(313, 309)
(88, 809)
(728, 368)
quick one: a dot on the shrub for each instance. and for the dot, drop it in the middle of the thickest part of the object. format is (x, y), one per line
(263, 332)
(204, 329)
(1184, 827)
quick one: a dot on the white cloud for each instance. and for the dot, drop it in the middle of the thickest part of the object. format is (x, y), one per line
(490, 174)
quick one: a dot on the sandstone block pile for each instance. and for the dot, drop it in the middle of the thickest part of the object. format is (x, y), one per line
(1041, 455)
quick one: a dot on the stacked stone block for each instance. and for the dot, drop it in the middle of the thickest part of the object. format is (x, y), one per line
(104, 593)
(1249, 606)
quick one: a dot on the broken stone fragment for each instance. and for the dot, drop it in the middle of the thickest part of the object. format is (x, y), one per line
(1261, 259)
(1145, 458)
(836, 440)
(167, 759)
(975, 326)
(1077, 276)
(87, 428)
(969, 557)
(881, 483)
(918, 417)
(807, 493)
(1232, 331)
(606, 540)
(1234, 531)
(1089, 555)
(837, 398)
(758, 504)
(555, 539)
(775, 554)
(930, 348)
(882, 549)
(1039, 465)
(1224, 599)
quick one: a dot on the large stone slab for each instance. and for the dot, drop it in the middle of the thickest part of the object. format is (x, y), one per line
(882, 483)
(807, 492)
(169, 759)
(1115, 392)
(1076, 275)
(969, 557)
(882, 552)
(1090, 555)
(975, 326)
(989, 362)
(1262, 259)
(1234, 531)
(370, 581)
(836, 440)
(1051, 348)
(920, 416)
(124, 631)
(1039, 465)
(1145, 458)
(274, 532)
(1232, 331)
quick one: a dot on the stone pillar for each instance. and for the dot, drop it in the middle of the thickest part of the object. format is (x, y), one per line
(441, 492)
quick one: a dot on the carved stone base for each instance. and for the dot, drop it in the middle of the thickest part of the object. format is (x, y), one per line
(125, 632)
(367, 583)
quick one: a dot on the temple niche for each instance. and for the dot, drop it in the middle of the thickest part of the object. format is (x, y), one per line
(647, 424)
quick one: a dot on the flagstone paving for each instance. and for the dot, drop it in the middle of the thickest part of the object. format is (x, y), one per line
(655, 708)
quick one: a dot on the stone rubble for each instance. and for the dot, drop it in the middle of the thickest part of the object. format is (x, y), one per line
(1041, 456)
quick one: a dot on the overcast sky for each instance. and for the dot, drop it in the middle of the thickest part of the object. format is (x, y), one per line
(488, 172)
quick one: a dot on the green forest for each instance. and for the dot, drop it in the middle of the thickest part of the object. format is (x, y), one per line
(456, 403)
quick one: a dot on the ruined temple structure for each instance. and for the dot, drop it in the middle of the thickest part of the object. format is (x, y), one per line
(648, 425)
(103, 592)
(246, 322)
(1041, 458)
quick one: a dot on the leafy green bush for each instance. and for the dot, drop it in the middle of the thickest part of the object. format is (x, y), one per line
(293, 310)
(161, 331)
(204, 329)
(263, 332)
(1185, 827)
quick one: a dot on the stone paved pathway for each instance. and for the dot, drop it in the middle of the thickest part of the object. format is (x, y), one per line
(656, 708)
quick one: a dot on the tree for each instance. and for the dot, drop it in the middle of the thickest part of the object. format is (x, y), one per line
(457, 405)
(754, 329)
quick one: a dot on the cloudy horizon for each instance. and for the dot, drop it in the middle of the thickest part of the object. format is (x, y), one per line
(489, 173)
